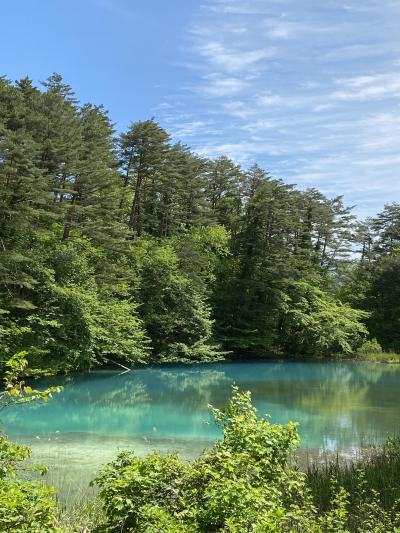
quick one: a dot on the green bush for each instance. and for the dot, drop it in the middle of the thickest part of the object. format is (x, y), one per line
(129, 483)
(25, 506)
(247, 483)
(372, 351)
(371, 347)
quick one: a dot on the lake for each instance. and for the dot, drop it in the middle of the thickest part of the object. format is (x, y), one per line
(339, 406)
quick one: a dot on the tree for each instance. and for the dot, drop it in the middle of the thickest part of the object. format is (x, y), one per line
(136, 248)
(224, 191)
(93, 198)
(383, 302)
(316, 324)
(23, 197)
(387, 228)
(175, 312)
(142, 157)
(373, 283)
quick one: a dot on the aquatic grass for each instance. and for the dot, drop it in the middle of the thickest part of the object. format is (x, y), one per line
(377, 470)
(85, 517)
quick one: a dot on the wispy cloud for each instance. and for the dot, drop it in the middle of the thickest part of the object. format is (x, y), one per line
(228, 59)
(191, 128)
(218, 86)
(310, 90)
(369, 87)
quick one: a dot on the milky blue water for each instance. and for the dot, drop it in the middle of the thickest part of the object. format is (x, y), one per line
(338, 406)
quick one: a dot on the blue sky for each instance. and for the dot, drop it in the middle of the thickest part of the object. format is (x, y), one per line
(309, 89)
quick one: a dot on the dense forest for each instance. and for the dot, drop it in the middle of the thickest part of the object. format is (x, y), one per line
(131, 248)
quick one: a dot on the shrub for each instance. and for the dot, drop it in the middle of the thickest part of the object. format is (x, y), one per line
(247, 483)
(130, 483)
(243, 482)
(370, 347)
(25, 506)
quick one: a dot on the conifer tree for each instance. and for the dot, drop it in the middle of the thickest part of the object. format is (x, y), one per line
(136, 248)
(143, 151)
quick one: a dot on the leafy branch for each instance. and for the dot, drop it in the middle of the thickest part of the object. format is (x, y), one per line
(15, 390)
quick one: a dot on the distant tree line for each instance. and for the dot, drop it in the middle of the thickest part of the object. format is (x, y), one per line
(132, 248)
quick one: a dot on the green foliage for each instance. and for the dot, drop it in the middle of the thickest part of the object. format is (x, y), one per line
(78, 321)
(372, 485)
(277, 296)
(16, 391)
(370, 347)
(317, 324)
(373, 284)
(248, 482)
(130, 482)
(136, 249)
(383, 301)
(11, 455)
(25, 505)
(173, 305)
(371, 350)
(384, 357)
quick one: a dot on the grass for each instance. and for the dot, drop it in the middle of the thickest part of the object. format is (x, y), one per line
(371, 350)
(377, 473)
(381, 357)
(81, 518)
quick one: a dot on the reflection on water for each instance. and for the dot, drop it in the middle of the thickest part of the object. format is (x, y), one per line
(338, 405)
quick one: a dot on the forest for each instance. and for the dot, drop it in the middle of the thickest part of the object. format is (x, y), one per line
(129, 248)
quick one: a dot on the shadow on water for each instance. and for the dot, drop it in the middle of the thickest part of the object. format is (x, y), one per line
(340, 406)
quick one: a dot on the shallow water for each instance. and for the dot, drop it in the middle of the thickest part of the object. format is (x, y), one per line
(340, 406)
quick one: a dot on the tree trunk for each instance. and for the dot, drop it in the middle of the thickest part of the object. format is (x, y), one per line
(135, 209)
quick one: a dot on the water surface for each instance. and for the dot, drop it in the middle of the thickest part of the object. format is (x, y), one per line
(338, 405)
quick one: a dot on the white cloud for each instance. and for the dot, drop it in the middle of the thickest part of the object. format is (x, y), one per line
(238, 109)
(233, 7)
(309, 90)
(359, 51)
(368, 87)
(188, 129)
(280, 28)
(229, 59)
(243, 152)
(220, 87)
(272, 99)
(260, 125)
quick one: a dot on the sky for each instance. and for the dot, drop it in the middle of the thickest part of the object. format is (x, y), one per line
(308, 89)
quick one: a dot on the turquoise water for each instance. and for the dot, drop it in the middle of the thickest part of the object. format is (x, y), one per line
(338, 405)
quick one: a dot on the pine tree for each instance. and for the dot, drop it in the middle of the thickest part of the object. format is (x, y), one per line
(142, 157)
(93, 201)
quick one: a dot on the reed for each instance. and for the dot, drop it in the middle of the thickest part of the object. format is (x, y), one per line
(375, 474)
(85, 517)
